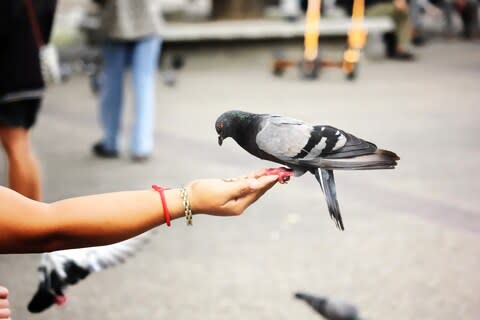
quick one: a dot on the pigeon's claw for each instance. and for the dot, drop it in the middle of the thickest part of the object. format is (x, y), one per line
(283, 173)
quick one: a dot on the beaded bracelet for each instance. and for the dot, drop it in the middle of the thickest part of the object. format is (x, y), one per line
(186, 205)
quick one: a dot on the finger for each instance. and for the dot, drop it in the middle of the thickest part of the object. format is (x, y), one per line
(4, 304)
(261, 185)
(4, 313)
(263, 182)
(259, 173)
(3, 292)
(247, 200)
(242, 187)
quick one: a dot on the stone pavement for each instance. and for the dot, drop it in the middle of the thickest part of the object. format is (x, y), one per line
(411, 248)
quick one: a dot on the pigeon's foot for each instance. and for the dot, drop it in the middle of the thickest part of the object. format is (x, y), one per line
(60, 299)
(283, 173)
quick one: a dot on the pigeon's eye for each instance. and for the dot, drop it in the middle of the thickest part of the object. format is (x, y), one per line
(219, 126)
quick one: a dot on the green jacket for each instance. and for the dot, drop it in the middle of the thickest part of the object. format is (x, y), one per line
(130, 19)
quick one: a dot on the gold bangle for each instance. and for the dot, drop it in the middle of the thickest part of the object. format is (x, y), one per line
(186, 205)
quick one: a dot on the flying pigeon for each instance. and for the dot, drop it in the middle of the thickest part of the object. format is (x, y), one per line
(318, 149)
(330, 309)
(60, 269)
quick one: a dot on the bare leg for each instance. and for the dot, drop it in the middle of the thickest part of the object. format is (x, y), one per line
(23, 170)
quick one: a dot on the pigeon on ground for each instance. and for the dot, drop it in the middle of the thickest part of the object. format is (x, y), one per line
(60, 269)
(330, 309)
(318, 149)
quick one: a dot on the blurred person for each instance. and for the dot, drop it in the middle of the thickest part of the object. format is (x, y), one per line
(290, 9)
(131, 37)
(398, 10)
(21, 89)
(468, 12)
(397, 43)
(418, 9)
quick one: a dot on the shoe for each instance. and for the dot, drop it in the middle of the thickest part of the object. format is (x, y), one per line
(403, 56)
(140, 158)
(99, 150)
(419, 41)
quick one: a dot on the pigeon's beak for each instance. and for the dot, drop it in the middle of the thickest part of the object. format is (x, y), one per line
(220, 140)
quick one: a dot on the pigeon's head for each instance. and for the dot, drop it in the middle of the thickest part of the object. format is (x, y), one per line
(228, 123)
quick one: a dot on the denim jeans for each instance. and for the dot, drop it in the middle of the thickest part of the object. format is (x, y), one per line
(142, 55)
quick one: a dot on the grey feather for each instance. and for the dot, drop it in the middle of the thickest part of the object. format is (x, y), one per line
(327, 182)
(61, 269)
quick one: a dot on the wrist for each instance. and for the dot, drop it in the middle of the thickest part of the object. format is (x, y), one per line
(193, 201)
(174, 202)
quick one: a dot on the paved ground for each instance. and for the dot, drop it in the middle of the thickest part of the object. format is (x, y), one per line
(411, 249)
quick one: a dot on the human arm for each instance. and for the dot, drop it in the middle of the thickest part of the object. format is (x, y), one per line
(31, 226)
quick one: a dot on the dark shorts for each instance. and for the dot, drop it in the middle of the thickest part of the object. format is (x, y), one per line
(22, 113)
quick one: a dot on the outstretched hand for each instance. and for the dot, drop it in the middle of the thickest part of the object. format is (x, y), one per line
(229, 197)
(4, 305)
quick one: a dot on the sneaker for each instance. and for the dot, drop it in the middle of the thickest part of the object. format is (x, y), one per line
(403, 56)
(99, 150)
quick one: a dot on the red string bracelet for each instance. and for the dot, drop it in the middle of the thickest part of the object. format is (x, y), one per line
(166, 212)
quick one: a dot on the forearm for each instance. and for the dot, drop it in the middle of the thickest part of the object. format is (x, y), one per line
(91, 220)
(112, 217)
(32, 226)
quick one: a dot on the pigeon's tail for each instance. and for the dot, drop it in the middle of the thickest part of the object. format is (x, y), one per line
(381, 159)
(327, 182)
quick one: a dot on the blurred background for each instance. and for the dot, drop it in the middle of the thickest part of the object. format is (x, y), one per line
(411, 247)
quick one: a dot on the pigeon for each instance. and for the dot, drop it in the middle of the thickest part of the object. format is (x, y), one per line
(318, 149)
(330, 309)
(60, 269)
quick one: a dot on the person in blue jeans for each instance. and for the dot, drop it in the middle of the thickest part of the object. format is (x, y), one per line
(131, 31)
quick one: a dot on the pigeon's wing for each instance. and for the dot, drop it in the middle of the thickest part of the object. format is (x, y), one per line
(102, 257)
(282, 137)
(302, 145)
(295, 141)
(348, 146)
(343, 150)
(60, 269)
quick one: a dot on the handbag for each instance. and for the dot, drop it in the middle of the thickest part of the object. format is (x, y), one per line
(48, 54)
